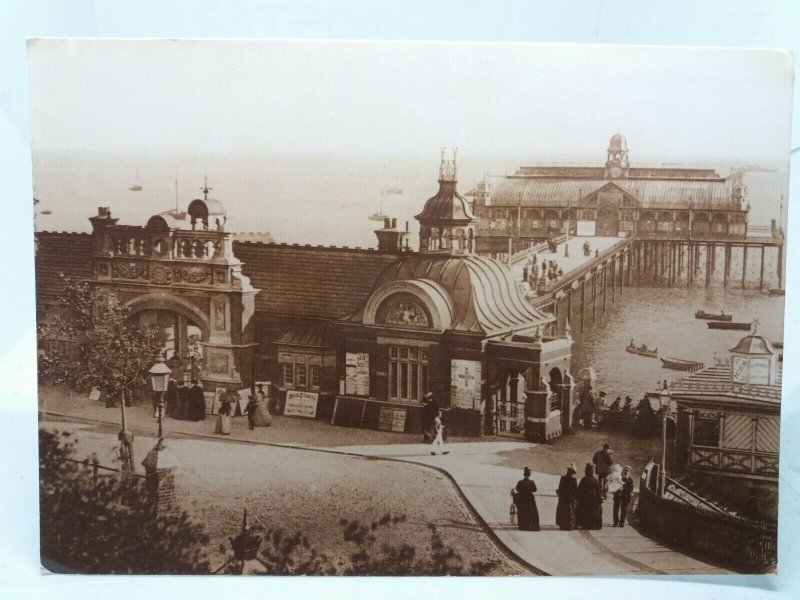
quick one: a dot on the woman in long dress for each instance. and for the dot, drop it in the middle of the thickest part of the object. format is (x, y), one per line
(567, 499)
(527, 512)
(224, 416)
(589, 514)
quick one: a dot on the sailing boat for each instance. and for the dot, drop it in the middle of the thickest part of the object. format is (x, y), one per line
(136, 187)
(379, 216)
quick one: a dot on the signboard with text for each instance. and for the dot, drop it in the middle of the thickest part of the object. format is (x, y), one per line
(392, 419)
(465, 384)
(357, 373)
(301, 404)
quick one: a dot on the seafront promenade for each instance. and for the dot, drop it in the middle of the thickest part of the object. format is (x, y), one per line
(484, 471)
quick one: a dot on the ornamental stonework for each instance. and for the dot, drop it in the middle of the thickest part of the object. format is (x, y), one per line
(407, 314)
(130, 270)
(192, 274)
(160, 274)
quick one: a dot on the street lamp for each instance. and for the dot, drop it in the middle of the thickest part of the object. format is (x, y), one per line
(159, 380)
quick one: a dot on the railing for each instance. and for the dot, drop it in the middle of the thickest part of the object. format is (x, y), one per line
(734, 461)
(744, 544)
(137, 242)
(693, 499)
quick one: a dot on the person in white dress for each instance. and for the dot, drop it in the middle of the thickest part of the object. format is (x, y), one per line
(437, 447)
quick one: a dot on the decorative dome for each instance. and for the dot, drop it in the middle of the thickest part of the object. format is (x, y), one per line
(461, 293)
(446, 207)
(754, 344)
(618, 143)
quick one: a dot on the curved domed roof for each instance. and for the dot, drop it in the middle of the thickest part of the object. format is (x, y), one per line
(754, 344)
(618, 143)
(447, 206)
(481, 293)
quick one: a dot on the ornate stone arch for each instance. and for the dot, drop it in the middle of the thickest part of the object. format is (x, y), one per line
(173, 304)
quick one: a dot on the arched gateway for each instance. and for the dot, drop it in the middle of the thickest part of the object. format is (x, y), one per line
(179, 275)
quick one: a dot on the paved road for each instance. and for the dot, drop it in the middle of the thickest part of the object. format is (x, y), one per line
(609, 551)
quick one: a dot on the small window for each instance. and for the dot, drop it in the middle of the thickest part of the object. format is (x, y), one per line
(314, 376)
(288, 373)
(393, 352)
(300, 372)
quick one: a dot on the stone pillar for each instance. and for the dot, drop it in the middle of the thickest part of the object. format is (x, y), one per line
(160, 466)
(540, 424)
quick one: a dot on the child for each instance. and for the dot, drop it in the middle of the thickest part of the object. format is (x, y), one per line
(438, 428)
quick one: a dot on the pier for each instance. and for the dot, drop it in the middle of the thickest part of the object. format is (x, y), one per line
(590, 283)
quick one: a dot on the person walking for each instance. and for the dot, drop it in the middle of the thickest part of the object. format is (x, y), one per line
(171, 398)
(251, 409)
(183, 401)
(224, 415)
(527, 512)
(589, 507)
(438, 441)
(602, 461)
(622, 497)
(428, 416)
(567, 493)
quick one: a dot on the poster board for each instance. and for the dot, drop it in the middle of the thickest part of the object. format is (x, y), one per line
(94, 395)
(301, 404)
(357, 374)
(465, 384)
(392, 419)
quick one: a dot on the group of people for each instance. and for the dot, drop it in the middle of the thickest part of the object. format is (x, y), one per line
(189, 403)
(580, 504)
(550, 271)
(181, 402)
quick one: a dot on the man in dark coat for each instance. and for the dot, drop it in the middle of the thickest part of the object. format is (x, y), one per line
(527, 512)
(428, 415)
(197, 402)
(622, 498)
(602, 461)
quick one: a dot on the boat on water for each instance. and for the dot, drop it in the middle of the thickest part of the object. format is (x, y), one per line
(380, 216)
(136, 187)
(777, 292)
(729, 325)
(680, 364)
(701, 314)
(641, 350)
(46, 211)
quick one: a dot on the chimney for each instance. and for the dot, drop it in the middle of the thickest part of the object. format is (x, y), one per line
(390, 240)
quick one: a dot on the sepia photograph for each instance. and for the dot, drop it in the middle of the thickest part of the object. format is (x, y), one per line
(408, 308)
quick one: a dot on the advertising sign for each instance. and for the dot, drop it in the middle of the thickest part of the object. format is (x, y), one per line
(465, 384)
(357, 373)
(392, 419)
(759, 371)
(301, 404)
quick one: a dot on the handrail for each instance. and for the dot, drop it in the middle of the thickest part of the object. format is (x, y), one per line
(702, 500)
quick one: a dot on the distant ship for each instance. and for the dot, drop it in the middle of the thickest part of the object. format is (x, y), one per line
(46, 211)
(136, 187)
(379, 216)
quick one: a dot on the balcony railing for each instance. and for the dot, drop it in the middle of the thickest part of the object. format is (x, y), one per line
(734, 461)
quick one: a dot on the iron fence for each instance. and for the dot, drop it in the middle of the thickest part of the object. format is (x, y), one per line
(746, 545)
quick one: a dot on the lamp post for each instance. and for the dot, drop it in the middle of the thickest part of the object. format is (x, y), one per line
(159, 379)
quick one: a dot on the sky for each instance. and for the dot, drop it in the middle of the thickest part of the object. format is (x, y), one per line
(535, 102)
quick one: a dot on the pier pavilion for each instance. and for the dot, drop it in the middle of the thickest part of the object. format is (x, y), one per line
(611, 200)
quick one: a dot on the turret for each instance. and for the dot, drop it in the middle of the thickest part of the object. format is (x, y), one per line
(447, 223)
